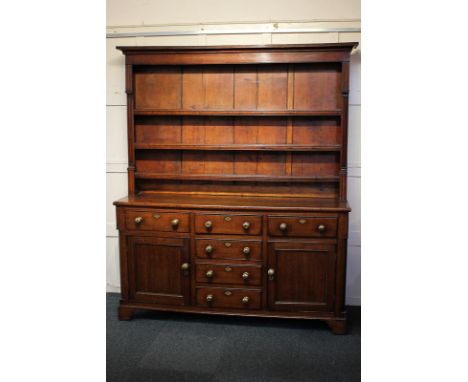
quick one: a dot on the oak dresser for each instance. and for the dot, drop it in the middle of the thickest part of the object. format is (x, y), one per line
(236, 181)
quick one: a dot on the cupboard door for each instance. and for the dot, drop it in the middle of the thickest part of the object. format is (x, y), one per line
(301, 276)
(159, 270)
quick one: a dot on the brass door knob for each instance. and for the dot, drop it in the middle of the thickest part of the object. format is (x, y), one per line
(283, 227)
(209, 249)
(138, 220)
(321, 227)
(245, 275)
(209, 273)
(246, 225)
(208, 224)
(271, 273)
(175, 223)
(209, 298)
(185, 266)
(246, 251)
(245, 300)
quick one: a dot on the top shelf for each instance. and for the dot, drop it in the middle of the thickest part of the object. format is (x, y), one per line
(260, 113)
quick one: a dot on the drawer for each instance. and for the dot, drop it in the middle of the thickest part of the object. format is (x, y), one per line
(235, 298)
(228, 224)
(157, 221)
(302, 226)
(229, 249)
(228, 273)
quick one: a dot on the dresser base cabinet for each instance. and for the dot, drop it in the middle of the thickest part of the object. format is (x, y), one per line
(237, 181)
(294, 275)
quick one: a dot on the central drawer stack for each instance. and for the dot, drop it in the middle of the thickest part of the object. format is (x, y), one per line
(228, 261)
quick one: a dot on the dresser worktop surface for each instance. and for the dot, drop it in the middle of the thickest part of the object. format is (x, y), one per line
(204, 202)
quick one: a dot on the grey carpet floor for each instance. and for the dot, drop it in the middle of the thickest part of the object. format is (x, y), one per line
(162, 347)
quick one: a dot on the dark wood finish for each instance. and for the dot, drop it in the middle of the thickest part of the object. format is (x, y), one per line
(219, 49)
(341, 263)
(246, 147)
(229, 249)
(125, 313)
(230, 298)
(316, 88)
(302, 226)
(344, 130)
(159, 88)
(337, 326)
(221, 202)
(229, 224)
(228, 273)
(237, 178)
(306, 315)
(130, 128)
(304, 277)
(267, 54)
(156, 221)
(244, 188)
(155, 270)
(251, 113)
(226, 145)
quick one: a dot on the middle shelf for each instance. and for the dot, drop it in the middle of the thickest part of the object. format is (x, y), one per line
(252, 113)
(237, 147)
(238, 134)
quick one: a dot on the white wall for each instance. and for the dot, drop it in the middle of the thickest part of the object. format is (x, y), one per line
(263, 15)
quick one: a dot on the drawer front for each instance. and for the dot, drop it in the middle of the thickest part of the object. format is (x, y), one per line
(228, 274)
(234, 298)
(228, 224)
(157, 221)
(302, 226)
(229, 249)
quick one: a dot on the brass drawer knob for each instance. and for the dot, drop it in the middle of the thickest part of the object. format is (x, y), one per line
(185, 266)
(246, 225)
(209, 298)
(208, 224)
(175, 223)
(209, 273)
(245, 300)
(321, 227)
(138, 220)
(245, 275)
(246, 251)
(283, 227)
(209, 249)
(271, 273)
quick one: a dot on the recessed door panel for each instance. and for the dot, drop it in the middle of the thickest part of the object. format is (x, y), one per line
(158, 270)
(301, 276)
